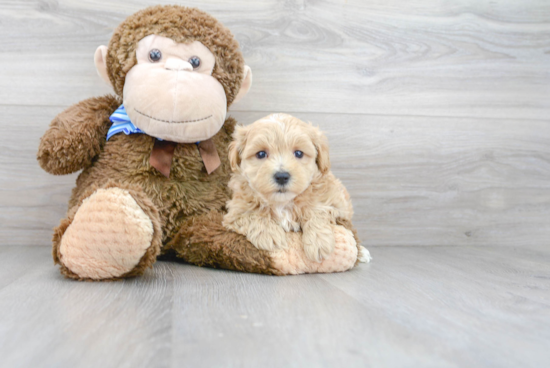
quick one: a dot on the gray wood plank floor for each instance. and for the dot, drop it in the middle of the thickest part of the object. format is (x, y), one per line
(412, 307)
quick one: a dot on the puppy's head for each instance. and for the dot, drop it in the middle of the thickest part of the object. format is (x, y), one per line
(279, 156)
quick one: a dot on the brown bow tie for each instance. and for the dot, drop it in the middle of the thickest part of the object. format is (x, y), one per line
(163, 151)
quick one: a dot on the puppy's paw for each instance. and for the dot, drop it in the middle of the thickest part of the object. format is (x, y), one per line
(269, 237)
(318, 243)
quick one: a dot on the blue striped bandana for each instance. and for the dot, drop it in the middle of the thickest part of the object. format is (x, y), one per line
(122, 124)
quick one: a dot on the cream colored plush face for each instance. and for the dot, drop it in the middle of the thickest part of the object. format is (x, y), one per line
(280, 136)
(172, 97)
(168, 98)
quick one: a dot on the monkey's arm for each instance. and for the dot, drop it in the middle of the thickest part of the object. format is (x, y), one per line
(76, 135)
(204, 241)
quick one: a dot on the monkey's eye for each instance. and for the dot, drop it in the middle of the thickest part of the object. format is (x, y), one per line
(155, 55)
(261, 154)
(298, 154)
(195, 62)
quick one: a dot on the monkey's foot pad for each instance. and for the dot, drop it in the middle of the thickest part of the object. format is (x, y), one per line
(293, 260)
(108, 236)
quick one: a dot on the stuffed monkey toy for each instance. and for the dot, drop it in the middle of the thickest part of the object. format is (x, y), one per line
(154, 157)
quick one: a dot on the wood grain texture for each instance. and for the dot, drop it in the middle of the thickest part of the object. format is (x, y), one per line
(437, 113)
(413, 180)
(411, 307)
(461, 58)
(438, 118)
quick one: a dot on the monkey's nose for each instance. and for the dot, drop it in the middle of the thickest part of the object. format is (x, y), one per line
(281, 177)
(177, 64)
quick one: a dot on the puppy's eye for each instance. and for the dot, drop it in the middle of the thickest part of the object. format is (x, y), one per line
(195, 62)
(261, 154)
(155, 55)
(298, 154)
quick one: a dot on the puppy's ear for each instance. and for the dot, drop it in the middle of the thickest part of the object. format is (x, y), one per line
(237, 146)
(320, 142)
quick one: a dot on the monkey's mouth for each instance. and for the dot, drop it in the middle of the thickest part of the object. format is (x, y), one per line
(170, 121)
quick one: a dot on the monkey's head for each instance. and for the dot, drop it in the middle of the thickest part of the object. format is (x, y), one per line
(177, 70)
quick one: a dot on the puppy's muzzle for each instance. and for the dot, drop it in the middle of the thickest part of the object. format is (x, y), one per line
(281, 178)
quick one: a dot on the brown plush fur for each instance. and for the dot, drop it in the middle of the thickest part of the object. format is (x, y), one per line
(186, 208)
(124, 162)
(310, 201)
(181, 25)
(205, 242)
(76, 140)
(76, 136)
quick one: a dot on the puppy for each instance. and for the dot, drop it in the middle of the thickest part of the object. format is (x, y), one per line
(282, 182)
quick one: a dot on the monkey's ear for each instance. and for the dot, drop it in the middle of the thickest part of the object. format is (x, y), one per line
(100, 60)
(245, 85)
(237, 146)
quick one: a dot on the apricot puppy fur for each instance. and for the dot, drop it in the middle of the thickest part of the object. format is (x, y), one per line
(282, 182)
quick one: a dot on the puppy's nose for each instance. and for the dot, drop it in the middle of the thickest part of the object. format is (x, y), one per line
(281, 177)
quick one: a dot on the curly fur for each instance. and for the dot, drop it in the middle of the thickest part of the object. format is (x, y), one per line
(186, 209)
(311, 201)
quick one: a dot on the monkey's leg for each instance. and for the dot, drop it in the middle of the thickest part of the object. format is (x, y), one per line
(114, 232)
(294, 261)
(204, 241)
